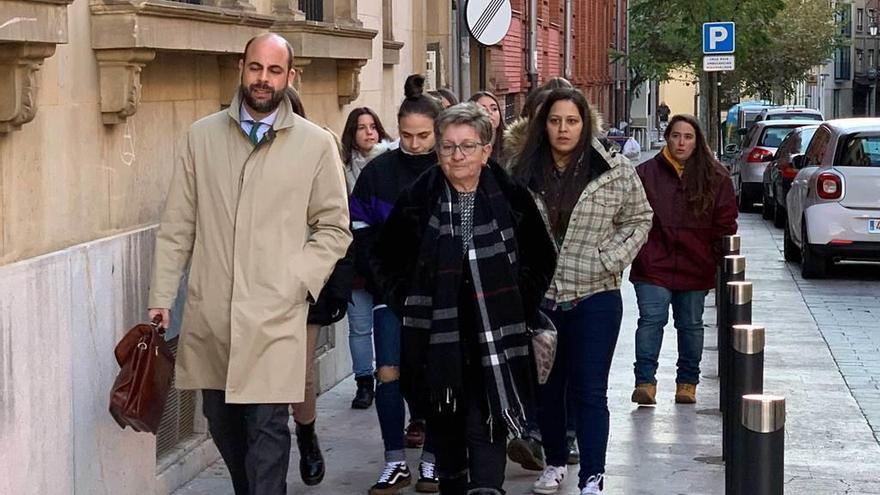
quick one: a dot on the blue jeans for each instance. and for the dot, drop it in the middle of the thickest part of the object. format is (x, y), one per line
(360, 332)
(587, 338)
(389, 399)
(687, 313)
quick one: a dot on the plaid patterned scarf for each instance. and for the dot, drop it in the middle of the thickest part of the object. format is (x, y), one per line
(431, 307)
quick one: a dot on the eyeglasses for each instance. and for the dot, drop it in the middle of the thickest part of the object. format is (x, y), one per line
(467, 148)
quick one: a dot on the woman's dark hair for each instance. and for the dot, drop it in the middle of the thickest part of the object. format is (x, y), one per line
(557, 83)
(444, 94)
(701, 172)
(350, 129)
(537, 151)
(416, 101)
(498, 142)
(295, 101)
(536, 98)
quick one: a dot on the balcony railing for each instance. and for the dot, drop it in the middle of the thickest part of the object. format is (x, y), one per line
(314, 9)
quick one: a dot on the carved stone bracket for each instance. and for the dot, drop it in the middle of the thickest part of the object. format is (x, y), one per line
(299, 65)
(19, 64)
(288, 9)
(391, 52)
(348, 81)
(120, 81)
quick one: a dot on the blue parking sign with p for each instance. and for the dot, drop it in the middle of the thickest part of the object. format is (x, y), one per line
(719, 38)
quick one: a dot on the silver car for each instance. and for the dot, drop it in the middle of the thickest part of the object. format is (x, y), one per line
(759, 146)
(834, 202)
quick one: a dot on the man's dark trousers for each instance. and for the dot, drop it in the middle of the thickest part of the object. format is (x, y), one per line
(253, 439)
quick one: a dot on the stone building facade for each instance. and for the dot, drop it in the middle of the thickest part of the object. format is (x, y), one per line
(95, 98)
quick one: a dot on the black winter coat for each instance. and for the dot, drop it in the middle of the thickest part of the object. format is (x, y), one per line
(396, 251)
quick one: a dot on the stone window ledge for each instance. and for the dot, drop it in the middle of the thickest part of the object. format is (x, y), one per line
(350, 46)
(127, 34)
(30, 31)
(165, 25)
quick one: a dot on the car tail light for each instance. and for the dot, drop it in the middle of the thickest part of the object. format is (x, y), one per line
(758, 155)
(840, 242)
(789, 172)
(829, 186)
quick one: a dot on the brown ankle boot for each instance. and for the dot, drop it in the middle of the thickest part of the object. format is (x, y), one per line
(686, 393)
(645, 394)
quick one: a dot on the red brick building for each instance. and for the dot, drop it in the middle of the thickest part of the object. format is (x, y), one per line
(598, 27)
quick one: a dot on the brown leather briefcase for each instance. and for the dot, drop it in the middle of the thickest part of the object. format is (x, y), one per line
(138, 396)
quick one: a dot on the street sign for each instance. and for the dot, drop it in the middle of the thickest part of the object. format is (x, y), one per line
(719, 38)
(488, 20)
(718, 63)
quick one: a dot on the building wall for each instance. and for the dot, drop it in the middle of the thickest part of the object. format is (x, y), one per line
(679, 93)
(596, 28)
(79, 201)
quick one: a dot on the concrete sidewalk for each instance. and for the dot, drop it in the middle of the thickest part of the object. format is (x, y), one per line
(667, 449)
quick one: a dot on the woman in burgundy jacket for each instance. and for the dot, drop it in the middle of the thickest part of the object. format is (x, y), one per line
(694, 207)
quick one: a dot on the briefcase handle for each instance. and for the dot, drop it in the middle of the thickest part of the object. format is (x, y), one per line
(155, 324)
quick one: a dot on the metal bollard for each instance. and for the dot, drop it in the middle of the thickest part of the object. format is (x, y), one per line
(730, 245)
(739, 312)
(762, 460)
(746, 378)
(734, 270)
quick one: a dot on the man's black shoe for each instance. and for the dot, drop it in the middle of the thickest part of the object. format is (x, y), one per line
(311, 461)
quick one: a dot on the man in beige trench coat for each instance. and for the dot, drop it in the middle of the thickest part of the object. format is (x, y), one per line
(258, 207)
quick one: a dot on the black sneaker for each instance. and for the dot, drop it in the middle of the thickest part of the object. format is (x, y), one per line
(428, 481)
(527, 452)
(394, 477)
(574, 455)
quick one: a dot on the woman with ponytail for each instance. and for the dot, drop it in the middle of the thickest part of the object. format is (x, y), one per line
(374, 195)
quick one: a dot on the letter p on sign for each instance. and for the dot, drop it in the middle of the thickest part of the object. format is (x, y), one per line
(719, 38)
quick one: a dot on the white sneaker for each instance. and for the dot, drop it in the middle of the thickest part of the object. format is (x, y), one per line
(550, 480)
(594, 485)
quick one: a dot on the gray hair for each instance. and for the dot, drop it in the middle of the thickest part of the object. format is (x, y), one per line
(468, 113)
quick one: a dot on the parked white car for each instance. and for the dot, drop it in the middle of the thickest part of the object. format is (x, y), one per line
(834, 202)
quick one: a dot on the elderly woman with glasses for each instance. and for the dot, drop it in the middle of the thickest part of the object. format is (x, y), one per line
(464, 259)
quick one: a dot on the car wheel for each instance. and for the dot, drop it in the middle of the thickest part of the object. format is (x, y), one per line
(789, 248)
(767, 208)
(779, 216)
(813, 265)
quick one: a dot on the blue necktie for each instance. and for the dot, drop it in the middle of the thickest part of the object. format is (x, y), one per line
(255, 126)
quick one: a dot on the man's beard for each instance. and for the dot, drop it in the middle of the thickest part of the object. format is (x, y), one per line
(265, 106)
